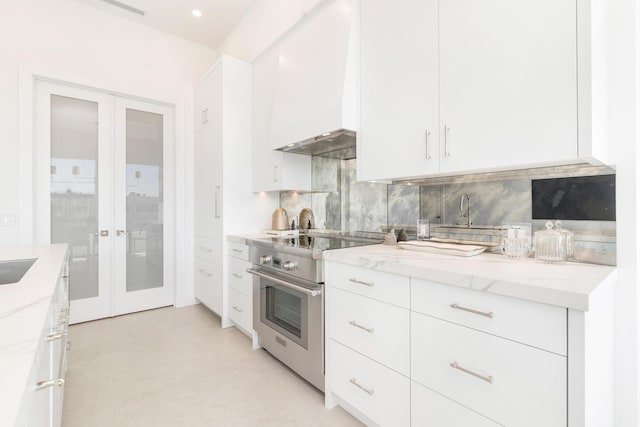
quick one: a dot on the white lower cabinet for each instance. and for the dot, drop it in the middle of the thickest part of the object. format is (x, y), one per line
(376, 391)
(471, 361)
(240, 289)
(512, 383)
(240, 310)
(430, 409)
(207, 284)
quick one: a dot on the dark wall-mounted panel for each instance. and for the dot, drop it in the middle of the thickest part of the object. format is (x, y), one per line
(579, 198)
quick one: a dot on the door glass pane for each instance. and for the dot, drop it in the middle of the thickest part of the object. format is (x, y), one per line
(144, 141)
(74, 189)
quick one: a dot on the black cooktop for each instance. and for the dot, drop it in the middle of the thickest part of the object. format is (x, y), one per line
(323, 243)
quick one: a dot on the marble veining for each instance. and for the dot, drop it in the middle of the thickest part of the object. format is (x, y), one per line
(568, 285)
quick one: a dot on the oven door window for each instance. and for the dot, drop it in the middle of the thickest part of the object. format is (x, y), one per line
(285, 311)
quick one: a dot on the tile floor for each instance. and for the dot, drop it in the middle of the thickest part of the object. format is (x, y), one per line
(176, 367)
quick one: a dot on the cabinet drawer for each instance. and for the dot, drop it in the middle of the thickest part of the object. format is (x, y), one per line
(241, 310)
(539, 325)
(373, 328)
(379, 285)
(511, 383)
(207, 283)
(238, 250)
(208, 249)
(429, 409)
(239, 279)
(376, 391)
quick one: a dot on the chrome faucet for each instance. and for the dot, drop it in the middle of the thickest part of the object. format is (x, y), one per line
(468, 214)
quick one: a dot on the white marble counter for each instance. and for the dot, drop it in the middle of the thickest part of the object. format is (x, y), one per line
(242, 238)
(567, 285)
(23, 313)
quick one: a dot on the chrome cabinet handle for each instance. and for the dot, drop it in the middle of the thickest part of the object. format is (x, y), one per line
(275, 173)
(239, 310)
(216, 209)
(121, 233)
(369, 391)
(237, 275)
(104, 233)
(488, 314)
(49, 383)
(447, 153)
(55, 337)
(237, 250)
(427, 134)
(354, 280)
(205, 249)
(205, 116)
(364, 328)
(487, 378)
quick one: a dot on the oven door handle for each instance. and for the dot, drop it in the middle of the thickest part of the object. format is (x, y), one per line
(310, 292)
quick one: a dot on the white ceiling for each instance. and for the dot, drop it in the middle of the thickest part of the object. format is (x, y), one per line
(174, 16)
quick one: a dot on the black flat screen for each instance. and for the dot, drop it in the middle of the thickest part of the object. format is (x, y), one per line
(579, 198)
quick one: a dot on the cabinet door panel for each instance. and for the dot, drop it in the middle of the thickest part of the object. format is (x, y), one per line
(507, 83)
(399, 89)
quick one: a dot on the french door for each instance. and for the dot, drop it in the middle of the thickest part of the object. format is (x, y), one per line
(103, 185)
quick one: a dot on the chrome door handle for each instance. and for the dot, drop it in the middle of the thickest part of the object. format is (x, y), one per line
(55, 337)
(216, 209)
(369, 391)
(49, 383)
(364, 328)
(487, 378)
(103, 233)
(488, 314)
(447, 153)
(427, 134)
(310, 292)
(120, 232)
(354, 280)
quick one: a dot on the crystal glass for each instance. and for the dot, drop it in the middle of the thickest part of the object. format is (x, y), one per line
(422, 231)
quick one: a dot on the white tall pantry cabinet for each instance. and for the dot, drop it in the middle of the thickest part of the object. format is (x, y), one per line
(223, 198)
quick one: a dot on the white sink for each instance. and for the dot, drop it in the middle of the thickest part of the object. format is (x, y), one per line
(12, 271)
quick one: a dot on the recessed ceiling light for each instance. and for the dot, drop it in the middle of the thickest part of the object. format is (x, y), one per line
(197, 13)
(291, 145)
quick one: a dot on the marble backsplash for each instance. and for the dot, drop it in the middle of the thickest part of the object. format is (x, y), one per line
(341, 203)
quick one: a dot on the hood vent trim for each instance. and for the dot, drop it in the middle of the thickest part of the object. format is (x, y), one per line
(339, 144)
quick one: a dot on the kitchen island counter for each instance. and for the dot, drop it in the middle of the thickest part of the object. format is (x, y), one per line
(567, 285)
(24, 308)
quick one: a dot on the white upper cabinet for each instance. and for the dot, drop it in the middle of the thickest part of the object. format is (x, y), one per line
(474, 85)
(508, 83)
(272, 170)
(316, 80)
(399, 89)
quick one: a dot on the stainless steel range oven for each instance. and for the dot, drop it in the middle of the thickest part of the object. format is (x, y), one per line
(288, 311)
(288, 298)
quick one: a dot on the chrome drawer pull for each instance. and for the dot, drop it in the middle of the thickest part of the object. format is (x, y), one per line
(239, 310)
(237, 250)
(366, 390)
(488, 314)
(487, 378)
(237, 275)
(205, 249)
(54, 337)
(354, 280)
(49, 383)
(364, 328)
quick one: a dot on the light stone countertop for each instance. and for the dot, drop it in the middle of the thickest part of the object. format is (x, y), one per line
(568, 285)
(23, 315)
(243, 238)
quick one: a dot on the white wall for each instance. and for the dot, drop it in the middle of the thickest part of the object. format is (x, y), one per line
(265, 23)
(73, 42)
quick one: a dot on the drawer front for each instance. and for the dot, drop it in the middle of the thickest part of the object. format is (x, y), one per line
(207, 283)
(379, 285)
(239, 279)
(373, 328)
(238, 250)
(511, 383)
(539, 325)
(208, 249)
(378, 392)
(429, 409)
(241, 310)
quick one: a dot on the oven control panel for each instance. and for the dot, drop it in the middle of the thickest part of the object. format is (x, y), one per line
(293, 264)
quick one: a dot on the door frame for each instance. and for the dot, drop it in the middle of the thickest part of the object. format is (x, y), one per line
(40, 184)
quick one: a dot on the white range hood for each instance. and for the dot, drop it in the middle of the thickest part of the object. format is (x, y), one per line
(315, 107)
